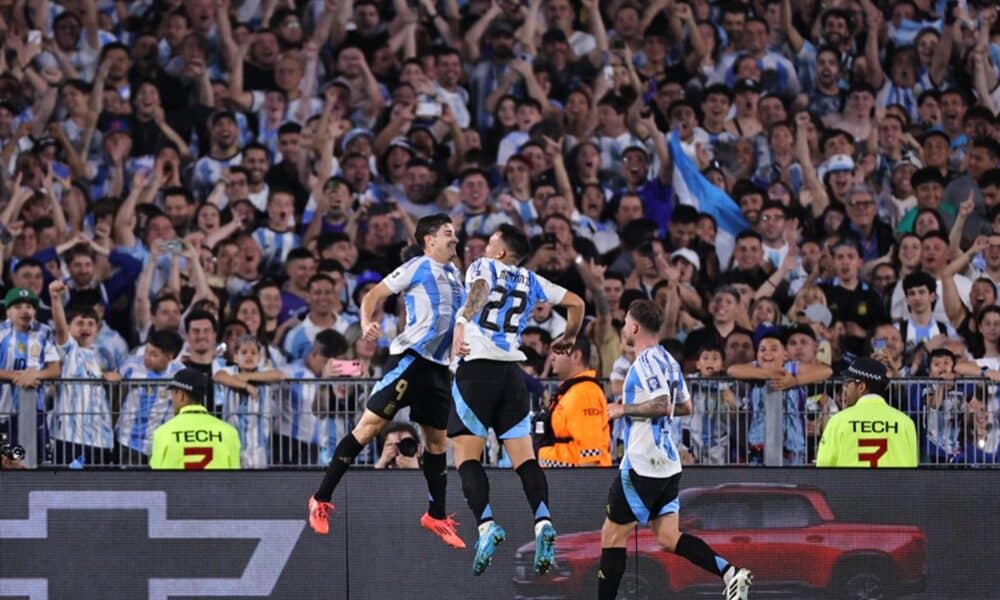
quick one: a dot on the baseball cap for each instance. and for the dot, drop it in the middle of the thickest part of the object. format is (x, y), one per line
(192, 382)
(18, 295)
(116, 125)
(802, 329)
(909, 160)
(868, 370)
(834, 164)
(354, 134)
(501, 27)
(687, 254)
(819, 313)
(746, 85)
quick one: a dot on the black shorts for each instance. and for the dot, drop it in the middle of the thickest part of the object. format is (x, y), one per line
(412, 380)
(490, 393)
(633, 497)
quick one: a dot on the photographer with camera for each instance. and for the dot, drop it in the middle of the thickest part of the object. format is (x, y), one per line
(573, 428)
(400, 446)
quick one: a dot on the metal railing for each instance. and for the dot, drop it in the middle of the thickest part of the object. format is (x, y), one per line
(298, 423)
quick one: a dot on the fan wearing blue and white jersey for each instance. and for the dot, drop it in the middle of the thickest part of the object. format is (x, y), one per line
(416, 373)
(489, 389)
(146, 406)
(27, 356)
(647, 489)
(278, 238)
(80, 422)
(242, 392)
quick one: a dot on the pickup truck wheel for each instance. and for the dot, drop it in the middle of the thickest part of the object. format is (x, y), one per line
(865, 584)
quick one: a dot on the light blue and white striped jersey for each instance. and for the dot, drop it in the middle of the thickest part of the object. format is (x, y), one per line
(274, 247)
(145, 407)
(649, 449)
(30, 349)
(208, 170)
(251, 417)
(112, 349)
(432, 293)
(299, 340)
(495, 333)
(294, 407)
(793, 421)
(82, 412)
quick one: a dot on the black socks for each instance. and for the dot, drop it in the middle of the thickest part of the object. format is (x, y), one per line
(435, 468)
(610, 573)
(699, 553)
(347, 450)
(535, 488)
(476, 488)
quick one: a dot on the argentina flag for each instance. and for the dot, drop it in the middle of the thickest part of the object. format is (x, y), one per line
(691, 188)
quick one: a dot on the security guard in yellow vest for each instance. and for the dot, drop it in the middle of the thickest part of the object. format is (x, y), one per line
(868, 433)
(194, 439)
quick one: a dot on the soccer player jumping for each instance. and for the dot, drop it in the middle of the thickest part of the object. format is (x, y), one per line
(489, 389)
(647, 488)
(416, 374)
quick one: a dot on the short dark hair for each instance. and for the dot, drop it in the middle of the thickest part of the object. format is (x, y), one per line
(170, 342)
(582, 346)
(299, 254)
(165, 298)
(330, 344)
(320, 277)
(430, 225)
(684, 214)
(200, 315)
(647, 314)
(79, 309)
(917, 279)
(710, 347)
(943, 352)
(514, 240)
(542, 333)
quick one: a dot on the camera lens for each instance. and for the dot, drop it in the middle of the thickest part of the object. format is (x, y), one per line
(407, 446)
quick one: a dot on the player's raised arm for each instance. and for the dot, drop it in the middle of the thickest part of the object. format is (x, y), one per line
(372, 300)
(574, 320)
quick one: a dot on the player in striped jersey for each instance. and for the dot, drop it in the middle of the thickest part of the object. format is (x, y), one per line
(147, 406)
(245, 404)
(647, 490)
(489, 389)
(416, 374)
(80, 421)
(277, 239)
(27, 356)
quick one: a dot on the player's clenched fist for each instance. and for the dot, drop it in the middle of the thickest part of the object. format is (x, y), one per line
(371, 332)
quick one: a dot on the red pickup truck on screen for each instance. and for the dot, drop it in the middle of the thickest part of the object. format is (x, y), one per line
(786, 534)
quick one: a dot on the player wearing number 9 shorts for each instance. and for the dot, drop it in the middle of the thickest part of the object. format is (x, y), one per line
(416, 375)
(489, 390)
(868, 433)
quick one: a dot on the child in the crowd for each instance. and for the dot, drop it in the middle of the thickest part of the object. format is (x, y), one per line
(80, 421)
(246, 405)
(147, 406)
(774, 374)
(713, 404)
(942, 404)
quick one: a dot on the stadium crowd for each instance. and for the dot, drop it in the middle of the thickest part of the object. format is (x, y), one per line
(217, 184)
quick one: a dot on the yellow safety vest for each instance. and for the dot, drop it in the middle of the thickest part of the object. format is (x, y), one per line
(870, 434)
(195, 440)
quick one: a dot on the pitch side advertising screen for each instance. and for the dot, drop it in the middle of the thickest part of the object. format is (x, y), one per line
(805, 533)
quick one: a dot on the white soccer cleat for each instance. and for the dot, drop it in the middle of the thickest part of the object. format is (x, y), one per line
(738, 586)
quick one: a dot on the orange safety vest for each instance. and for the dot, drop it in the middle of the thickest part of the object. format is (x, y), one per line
(580, 427)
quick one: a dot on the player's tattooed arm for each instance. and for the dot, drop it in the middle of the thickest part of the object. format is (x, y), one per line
(650, 409)
(477, 299)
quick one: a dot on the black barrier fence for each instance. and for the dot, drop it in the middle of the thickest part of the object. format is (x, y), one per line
(185, 535)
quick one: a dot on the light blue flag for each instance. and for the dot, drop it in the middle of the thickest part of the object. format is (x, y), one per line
(693, 189)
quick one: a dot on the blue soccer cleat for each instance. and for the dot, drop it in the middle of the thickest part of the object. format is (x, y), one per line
(545, 549)
(486, 546)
